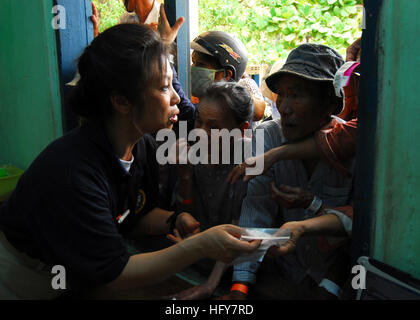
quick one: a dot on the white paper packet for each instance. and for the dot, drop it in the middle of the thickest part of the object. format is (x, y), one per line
(269, 236)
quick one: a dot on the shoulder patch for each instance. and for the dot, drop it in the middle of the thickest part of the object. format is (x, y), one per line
(141, 200)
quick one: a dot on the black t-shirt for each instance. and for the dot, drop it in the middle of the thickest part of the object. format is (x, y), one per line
(65, 207)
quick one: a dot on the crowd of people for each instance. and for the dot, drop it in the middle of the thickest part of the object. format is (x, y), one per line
(101, 184)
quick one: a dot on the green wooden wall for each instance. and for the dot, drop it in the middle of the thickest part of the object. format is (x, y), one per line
(30, 105)
(396, 208)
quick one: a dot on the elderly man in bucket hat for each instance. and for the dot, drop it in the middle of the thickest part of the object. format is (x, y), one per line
(302, 267)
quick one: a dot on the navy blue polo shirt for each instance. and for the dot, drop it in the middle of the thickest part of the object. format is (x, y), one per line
(65, 207)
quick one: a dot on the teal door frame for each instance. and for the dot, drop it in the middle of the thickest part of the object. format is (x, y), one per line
(387, 214)
(71, 42)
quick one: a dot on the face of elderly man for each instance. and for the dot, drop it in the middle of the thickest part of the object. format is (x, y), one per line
(303, 106)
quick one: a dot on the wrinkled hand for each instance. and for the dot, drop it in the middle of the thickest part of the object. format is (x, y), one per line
(222, 243)
(296, 231)
(291, 197)
(95, 20)
(354, 51)
(167, 33)
(176, 237)
(239, 171)
(200, 292)
(185, 226)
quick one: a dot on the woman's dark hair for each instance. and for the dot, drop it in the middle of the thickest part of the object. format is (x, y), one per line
(234, 97)
(122, 60)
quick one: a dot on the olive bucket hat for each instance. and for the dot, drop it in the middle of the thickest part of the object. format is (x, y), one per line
(309, 61)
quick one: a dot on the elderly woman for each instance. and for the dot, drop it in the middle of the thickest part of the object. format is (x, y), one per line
(203, 189)
(92, 186)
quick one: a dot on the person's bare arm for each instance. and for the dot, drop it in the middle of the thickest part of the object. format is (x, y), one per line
(219, 243)
(333, 146)
(337, 144)
(305, 149)
(326, 225)
(354, 52)
(154, 223)
(95, 20)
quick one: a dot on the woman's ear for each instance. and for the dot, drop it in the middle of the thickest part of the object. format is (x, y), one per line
(120, 104)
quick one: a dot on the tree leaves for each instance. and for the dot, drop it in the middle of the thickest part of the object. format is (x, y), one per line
(271, 28)
(109, 12)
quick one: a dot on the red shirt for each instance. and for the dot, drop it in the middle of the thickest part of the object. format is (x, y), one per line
(337, 143)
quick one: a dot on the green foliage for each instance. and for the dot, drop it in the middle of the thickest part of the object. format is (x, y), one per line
(109, 12)
(271, 28)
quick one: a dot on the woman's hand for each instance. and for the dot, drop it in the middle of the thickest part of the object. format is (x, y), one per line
(167, 33)
(269, 158)
(222, 243)
(297, 229)
(290, 197)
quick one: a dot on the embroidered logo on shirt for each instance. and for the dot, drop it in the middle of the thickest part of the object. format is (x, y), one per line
(141, 200)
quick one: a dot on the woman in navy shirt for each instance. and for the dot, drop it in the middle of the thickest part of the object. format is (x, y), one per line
(87, 189)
